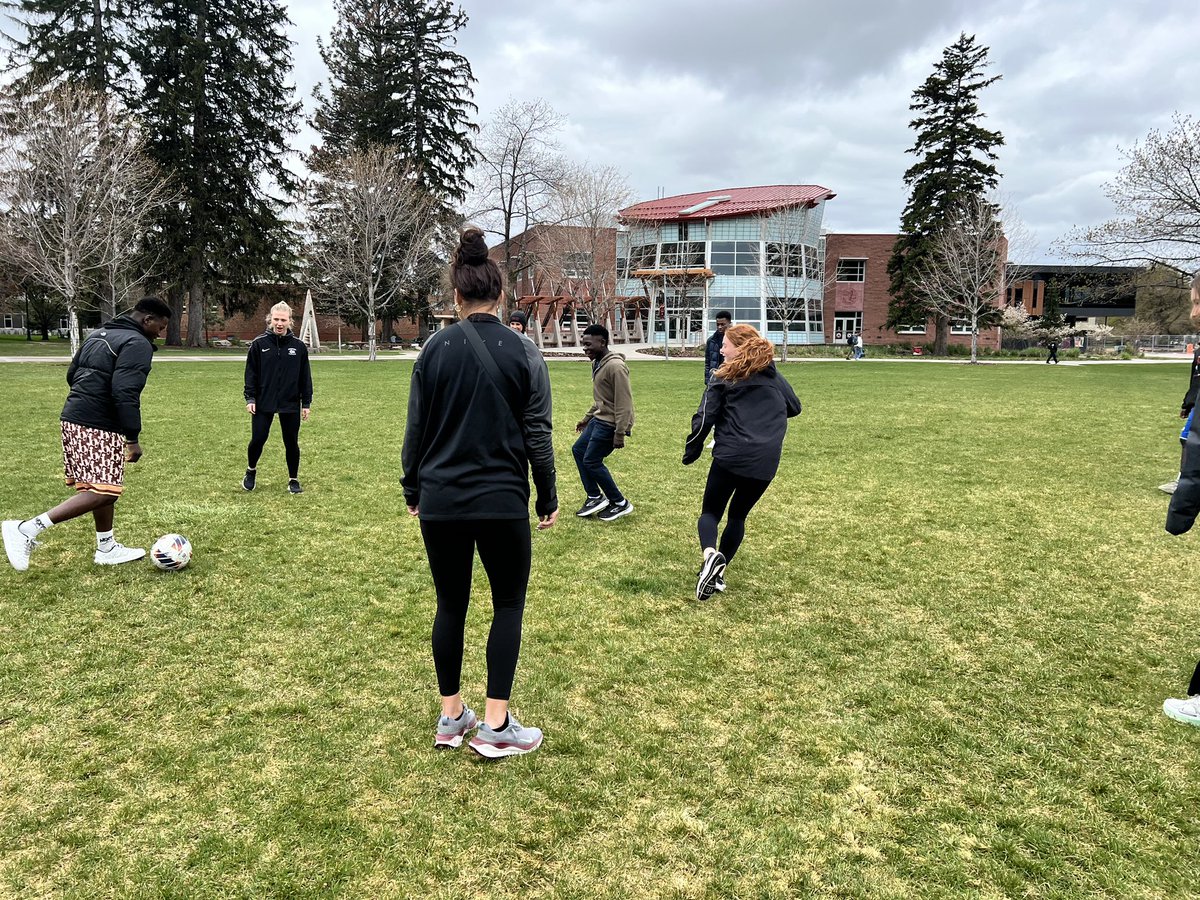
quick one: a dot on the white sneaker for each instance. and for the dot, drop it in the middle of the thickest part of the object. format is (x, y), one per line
(1169, 487)
(1186, 711)
(17, 545)
(117, 554)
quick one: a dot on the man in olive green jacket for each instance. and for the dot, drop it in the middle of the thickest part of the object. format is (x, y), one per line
(603, 428)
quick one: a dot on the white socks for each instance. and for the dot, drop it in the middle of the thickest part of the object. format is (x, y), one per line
(31, 528)
(104, 540)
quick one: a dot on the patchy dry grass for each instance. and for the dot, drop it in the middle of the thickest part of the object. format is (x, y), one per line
(936, 673)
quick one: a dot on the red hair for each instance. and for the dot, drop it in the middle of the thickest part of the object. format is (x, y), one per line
(756, 353)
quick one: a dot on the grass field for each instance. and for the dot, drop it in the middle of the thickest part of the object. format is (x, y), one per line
(937, 671)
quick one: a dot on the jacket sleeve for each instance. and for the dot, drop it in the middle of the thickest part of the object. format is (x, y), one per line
(414, 436)
(306, 390)
(622, 398)
(129, 377)
(538, 430)
(705, 418)
(790, 400)
(1189, 399)
(250, 391)
(73, 367)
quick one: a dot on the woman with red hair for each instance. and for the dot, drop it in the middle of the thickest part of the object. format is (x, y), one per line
(748, 403)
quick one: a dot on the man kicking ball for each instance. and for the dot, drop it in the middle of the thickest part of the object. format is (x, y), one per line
(101, 422)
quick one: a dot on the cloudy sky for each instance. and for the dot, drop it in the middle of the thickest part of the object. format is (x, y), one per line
(701, 95)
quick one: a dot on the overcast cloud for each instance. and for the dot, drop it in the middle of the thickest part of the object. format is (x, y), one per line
(695, 96)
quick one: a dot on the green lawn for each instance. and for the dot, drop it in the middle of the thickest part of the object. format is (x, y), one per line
(937, 671)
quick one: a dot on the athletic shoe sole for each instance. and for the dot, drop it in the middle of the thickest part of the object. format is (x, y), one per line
(1180, 717)
(14, 543)
(626, 510)
(713, 568)
(101, 559)
(499, 751)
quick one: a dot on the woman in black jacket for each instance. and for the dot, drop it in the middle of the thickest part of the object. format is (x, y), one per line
(748, 403)
(478, 421)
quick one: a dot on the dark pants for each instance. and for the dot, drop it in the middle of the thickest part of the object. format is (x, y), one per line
(740, 493)
(504, 550)
(1053, 357)
(260, 429)
(595, 443)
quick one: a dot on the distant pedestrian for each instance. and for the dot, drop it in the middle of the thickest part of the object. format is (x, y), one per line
(858, 346)
(712, 347)
(518, 321)
(748, 403)
(278, 382)
(1052, 346)
(603, 428)
(101, 425)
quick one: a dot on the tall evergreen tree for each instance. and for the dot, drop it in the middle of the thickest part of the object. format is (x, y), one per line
(396, 79)
(955, 166)
(216, 100)
(83, 40)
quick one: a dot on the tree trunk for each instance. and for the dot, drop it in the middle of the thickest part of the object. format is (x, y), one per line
(195, 331)
(73, 327)
(941, 335)
(974, 341)
(175, 323)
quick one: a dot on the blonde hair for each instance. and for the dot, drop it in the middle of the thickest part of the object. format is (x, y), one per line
(281, 306)
(756, 353)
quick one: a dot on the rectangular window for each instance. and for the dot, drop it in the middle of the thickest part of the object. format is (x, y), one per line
(960, 326)
(577, 265)
(910, 329)
(852, 270)
(8, 322)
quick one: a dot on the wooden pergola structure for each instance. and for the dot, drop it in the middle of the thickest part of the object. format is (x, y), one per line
(680, 281)
(546, 313)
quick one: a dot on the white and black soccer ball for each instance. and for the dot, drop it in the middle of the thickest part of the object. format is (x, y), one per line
(171, 551)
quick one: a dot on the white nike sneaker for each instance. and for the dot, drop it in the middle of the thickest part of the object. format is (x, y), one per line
(117, 554)
(17, 545)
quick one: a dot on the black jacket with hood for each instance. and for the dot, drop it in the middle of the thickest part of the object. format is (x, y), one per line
(469, 443)
(278, 378)
(750, 417)
(107, 376)
(712, 354)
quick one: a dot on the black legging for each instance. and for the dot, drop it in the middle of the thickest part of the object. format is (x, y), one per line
(741, 494)
(504, 550)
(260, 429)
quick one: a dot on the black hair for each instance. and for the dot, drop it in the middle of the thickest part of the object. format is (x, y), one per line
(473, 273)
(724, 314)
(153, 306)
(598, 330)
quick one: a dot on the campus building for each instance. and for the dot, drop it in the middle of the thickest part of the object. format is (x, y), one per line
(753, 251)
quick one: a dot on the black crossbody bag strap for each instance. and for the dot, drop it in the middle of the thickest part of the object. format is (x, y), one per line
(489, 365)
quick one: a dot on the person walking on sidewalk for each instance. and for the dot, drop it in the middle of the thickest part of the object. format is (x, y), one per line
(603, 428)
(101, 426)
(479, 422)
(1052, 346)
(748, 403)
(278, 383)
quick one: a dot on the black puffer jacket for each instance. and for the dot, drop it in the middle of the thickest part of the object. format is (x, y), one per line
(278, 378)
(750, 417)
(712, 354)
(107, 376)
(468, 444)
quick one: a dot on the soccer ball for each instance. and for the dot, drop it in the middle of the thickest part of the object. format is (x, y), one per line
(171, 551)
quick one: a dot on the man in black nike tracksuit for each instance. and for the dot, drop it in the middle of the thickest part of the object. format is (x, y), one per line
(278, 383)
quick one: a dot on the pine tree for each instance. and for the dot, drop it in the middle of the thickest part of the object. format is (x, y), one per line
(83, 40)
(955, 166)
(216, 101)
(396, 79)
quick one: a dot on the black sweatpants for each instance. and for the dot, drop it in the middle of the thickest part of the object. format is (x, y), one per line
(260, 429)
(504, 549)
(740, 493)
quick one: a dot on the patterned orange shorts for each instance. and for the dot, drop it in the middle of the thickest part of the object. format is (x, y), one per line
(93, 460)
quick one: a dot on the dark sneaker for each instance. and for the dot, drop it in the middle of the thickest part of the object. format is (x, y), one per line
(511, 741)
(294, 486)
(248, 480)
(706, 581)
(450, 732)
(615, 511)
(591, 506)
